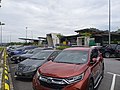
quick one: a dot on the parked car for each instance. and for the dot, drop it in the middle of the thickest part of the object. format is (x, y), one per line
(27, 68)
(111, 50)
(12, 48)
(78, 68)
(30, 53)
(21, 50)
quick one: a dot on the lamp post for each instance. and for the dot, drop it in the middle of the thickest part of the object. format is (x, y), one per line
(0, 2)
(26, 33)
(109, 21)
(1, 30)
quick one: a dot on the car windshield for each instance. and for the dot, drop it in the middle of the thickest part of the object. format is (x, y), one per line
(72, 57)
(41, 55)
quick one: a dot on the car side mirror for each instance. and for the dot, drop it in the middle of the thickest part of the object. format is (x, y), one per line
(51, 58)
(101, 55)
(94, 60)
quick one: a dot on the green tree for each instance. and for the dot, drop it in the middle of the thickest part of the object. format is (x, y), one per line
(86, 34)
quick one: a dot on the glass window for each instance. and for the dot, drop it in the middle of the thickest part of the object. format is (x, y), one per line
(42, 55)
(72, 56)
(118, 47)
(94, 53)
(53, 55)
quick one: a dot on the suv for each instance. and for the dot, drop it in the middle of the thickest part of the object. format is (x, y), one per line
(78, 68)
(111, 50)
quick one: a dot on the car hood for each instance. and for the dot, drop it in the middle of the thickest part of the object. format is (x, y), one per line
(26, 55)
(62, 70)
(30, 62)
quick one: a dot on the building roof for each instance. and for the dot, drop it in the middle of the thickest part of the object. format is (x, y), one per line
(29, 39)
(96, 32)
(42, 37)
(88, 30)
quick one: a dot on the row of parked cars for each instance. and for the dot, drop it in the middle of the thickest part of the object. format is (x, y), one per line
(75, 68)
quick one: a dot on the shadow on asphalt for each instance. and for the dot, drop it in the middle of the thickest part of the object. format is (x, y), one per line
(24, 79)
(118, 59)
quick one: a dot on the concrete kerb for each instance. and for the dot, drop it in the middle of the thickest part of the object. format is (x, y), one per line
(1, 68)
(6, 81)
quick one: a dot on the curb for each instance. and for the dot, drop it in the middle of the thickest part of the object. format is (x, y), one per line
(6, 81)
(1, 68)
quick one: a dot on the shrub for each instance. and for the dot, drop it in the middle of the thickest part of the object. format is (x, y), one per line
(62, 47)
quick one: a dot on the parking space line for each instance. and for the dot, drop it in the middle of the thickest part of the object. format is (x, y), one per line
(113, 73)
(113, 80)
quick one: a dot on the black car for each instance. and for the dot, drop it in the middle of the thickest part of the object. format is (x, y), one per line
(112, 50)
(27, 68)
(22, 57)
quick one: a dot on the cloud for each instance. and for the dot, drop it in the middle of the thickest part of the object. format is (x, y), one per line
(58, 16)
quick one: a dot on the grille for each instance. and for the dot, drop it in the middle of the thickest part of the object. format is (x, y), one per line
(21, 67)
(53, 83)
(52, 86)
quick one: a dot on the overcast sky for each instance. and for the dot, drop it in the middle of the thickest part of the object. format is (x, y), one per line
(55, 16)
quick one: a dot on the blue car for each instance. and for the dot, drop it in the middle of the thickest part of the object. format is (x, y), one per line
(21, 50)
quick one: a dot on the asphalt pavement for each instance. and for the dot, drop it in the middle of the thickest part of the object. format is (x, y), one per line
(111, 80)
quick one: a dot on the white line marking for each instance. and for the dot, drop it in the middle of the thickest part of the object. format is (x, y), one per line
(113, 73)
(113, 82)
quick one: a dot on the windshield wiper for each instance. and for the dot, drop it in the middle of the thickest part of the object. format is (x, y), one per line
(38, 58)
(68, 62)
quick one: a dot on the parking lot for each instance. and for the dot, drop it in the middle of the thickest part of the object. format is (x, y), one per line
(111, 79)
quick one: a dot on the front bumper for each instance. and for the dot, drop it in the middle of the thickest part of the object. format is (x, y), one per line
(81, 85)
(19, 74)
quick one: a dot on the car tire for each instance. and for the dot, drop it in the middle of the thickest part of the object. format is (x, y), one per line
(102, 74)
(91, 85)
(107, 54)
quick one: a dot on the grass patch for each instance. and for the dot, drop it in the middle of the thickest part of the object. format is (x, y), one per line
(62, 47)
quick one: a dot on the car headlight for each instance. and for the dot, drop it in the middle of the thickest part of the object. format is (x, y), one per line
(17, 57)
(37, 73)
(74, 79)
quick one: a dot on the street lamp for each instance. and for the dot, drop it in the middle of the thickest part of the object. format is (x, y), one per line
(0, 2)
(26, 33)
(109, 21)
(1, 30)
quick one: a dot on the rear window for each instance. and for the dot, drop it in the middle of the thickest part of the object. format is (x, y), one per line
(72, 57)
(118, 47)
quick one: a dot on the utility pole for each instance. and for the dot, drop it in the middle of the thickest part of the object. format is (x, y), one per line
(0, 2)
(1, 30)
(26, 33)
(109, 21)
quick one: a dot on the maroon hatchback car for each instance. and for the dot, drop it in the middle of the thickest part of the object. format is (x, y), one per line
(78, 68)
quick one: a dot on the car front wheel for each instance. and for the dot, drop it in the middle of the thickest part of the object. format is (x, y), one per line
(107, 54)
(91, 85)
